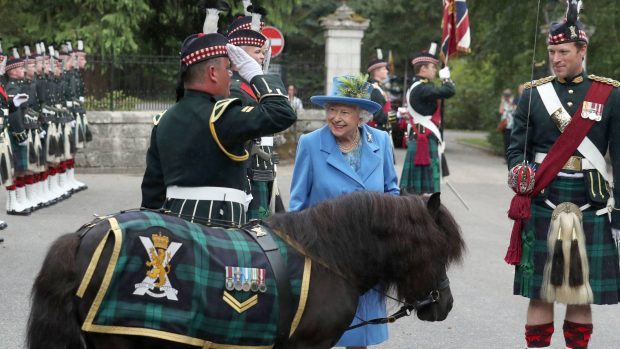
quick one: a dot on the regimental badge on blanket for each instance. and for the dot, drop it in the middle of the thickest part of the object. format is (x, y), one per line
(592, 111)
(160, 252)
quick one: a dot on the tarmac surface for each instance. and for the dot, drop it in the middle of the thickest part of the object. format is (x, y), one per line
(485, 313)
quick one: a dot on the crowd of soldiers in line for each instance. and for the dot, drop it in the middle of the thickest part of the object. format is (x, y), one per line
(42, 124)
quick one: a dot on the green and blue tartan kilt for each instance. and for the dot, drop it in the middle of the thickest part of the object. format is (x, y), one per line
(421, 179)
(197, 278)
(602, 253)
(20, 156)
(259, 206)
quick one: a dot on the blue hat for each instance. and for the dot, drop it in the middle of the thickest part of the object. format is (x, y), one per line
(353, 90)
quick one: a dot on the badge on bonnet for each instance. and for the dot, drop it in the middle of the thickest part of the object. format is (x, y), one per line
(592, 111)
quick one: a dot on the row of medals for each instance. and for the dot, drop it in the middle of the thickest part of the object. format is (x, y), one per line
(241, 282)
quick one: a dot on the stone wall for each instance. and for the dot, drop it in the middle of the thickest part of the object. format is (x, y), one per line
(121, 139)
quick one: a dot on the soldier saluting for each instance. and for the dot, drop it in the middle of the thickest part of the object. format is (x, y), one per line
(563, 247)
(196, 161)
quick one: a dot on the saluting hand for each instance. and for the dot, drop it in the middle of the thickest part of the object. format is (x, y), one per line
(248, 68)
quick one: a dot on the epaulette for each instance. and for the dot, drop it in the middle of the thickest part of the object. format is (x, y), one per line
(424, 81)
(608, 81)
(538, 82)
(157, 118)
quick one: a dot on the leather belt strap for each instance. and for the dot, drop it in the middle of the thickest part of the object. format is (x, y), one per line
(574, 163)
(206, 193)
(269, 246)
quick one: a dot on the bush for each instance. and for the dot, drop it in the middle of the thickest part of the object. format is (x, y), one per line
(115, 100)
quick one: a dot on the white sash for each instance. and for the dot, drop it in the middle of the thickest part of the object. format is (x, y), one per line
(424, 120)
(586, 148)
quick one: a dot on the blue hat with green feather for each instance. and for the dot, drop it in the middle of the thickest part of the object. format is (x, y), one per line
(351, 90)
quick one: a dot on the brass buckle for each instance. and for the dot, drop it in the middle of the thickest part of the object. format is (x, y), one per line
(573, 164)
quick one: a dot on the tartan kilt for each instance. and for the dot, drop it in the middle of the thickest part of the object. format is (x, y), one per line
(421, 179)
(259, 206)
(208, 212)
(6, 163)
(602, 253)
(20, 155)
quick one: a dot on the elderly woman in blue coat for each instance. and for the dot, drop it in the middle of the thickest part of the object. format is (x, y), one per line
(341, 157)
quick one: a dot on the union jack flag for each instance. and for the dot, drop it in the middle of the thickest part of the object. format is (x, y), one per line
(455, 37)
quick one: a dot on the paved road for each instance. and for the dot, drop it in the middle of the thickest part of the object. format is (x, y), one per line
(486, 315)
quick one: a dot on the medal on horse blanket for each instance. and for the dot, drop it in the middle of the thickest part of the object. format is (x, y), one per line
(172, 279)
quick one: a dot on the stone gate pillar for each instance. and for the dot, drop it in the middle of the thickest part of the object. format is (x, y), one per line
(344, 30)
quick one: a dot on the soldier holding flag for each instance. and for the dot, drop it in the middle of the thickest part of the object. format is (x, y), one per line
(422, 168)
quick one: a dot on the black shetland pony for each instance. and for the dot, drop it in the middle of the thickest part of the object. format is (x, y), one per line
(356, 241)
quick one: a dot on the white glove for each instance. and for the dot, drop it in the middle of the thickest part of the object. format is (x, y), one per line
(42, 134)
(20, 99)
(444, 73)
(24, 143)
(248, 68)
(615, 233)
(72, 123)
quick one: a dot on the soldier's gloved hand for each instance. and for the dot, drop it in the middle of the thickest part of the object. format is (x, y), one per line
(248, 68)
(23, 144)
(615, 233)
(20, 99)
(42, 134)
(444, 73)
(72, 123)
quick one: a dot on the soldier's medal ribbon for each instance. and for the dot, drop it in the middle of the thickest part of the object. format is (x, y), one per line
(254, 285)
(230, 284)
(246, 280)
(238, 285)
(261, 281)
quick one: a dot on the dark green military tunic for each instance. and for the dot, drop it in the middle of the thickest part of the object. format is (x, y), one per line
(380, 117)
(422, 179)
(18, 132)
(604, 276)
(184, 152)
(260, 169)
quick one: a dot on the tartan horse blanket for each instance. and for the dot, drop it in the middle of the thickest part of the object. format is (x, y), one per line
(175, 280)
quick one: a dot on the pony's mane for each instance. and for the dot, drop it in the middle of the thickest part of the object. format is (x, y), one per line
(368, 237)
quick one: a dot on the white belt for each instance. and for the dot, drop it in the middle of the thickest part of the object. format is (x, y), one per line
(206, 193)
(585, 163)
(266, 141)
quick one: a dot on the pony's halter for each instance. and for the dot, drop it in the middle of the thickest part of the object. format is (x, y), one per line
(433, 297)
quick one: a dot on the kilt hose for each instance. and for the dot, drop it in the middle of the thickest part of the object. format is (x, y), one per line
(259, 206)
(7, 172)
(418, 179)
(602, 253)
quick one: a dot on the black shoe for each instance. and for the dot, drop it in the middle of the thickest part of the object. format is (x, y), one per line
(3, 225)
(1, 240)
(25, 212)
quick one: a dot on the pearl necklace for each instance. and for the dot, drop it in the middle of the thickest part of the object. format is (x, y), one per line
(356, 141)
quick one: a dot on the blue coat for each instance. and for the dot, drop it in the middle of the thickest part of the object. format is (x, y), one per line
(321, 173)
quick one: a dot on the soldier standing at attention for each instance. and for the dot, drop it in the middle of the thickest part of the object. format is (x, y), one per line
(564, 249)
(422, 168)
(6, 166)
(378, 73)
(196, 163)
(17, 202)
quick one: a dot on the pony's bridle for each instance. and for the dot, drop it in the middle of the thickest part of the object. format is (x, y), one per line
(433, 297)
